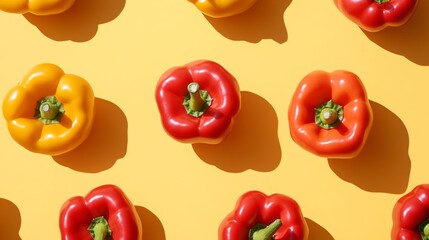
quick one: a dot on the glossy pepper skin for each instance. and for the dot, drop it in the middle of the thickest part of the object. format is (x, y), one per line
(330, 114)
(375, 15)
(411, 215)
(218, 110)
(36, 7)
(279, 214)
(56, 134)
(222, 8)
(78, 215)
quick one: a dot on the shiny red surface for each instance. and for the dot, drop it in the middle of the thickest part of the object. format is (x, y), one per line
(108, 201)
(217, 121)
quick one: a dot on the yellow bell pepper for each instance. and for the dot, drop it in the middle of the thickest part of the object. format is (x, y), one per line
(222, 8)
(37, 7)
(49, 112)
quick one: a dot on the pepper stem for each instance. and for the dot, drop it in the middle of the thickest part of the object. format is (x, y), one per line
(197, 101)
(328, 115)
(381, 1)
(49, 110)
(424, 230)
(261, 232)
(99, 229)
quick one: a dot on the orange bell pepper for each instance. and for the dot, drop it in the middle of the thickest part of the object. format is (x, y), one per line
(330, 114)
(37, 7)
(49, 112)
(222, 8)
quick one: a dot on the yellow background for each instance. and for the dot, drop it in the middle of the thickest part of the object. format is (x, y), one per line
(184, 191)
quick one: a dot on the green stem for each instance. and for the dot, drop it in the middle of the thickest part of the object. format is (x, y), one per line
(328, 115)
(265, 233)
(424, 230)
(49, 110)
(381, 1)
(99, 229)
(197, 101)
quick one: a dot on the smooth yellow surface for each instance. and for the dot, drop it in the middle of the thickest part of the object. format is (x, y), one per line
(184, 191)
(37, 7)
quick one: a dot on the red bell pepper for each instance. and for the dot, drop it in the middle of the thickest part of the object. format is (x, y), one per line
(104, 213)
(411, 215)
(375, 15)
(198, 102)
(330, 114)
(261, 217)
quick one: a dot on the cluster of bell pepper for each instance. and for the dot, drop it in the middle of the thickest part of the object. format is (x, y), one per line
(329, 114)
(370, 15)
(107, 213)
(51, 112)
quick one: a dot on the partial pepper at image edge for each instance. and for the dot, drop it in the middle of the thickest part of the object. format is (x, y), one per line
(376, 15)
(258, 216)
(36, 7)
(222, 8)
(104, 213)
(410, 215)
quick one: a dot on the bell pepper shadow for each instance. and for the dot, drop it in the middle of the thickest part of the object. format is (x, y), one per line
(10, 220)
(151, 226)
(316, 231)
(264, 20)
(106, 143)
(80, 22)
(383, 165)
(409, 40)
(253, 142)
